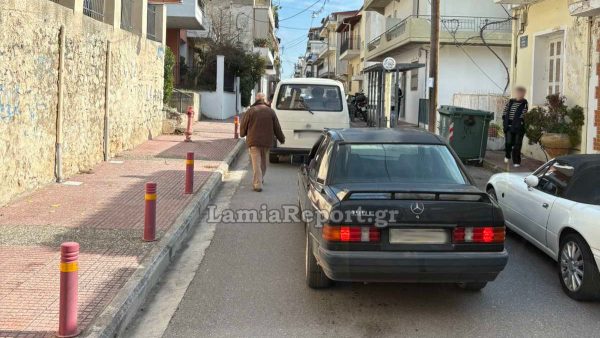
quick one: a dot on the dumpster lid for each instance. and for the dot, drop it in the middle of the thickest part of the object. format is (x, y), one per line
(455, 110)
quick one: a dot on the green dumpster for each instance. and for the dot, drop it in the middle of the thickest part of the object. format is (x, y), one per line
(466, 131)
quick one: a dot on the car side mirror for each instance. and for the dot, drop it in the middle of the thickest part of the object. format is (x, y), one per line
(532, 181)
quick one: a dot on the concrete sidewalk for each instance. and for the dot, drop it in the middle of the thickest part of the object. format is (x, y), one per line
(494, 161)
(103, 211)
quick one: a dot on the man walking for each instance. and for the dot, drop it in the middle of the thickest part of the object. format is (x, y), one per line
(260, 125)
(514, 127)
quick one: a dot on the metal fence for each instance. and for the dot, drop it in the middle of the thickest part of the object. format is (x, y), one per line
(449, 24)
(350, 43)
(94, 9)
(151, 26)
(126, 17)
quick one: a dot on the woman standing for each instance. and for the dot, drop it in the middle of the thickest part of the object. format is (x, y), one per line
(514, 126)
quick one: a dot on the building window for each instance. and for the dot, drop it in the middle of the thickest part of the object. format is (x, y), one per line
(151, 23)
(126, 10)
(94, 9)
(555, 65)
(547, 64)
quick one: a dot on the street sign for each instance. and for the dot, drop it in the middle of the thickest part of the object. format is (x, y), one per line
(389, 63)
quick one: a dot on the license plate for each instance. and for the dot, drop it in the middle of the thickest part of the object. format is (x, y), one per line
(419, 236)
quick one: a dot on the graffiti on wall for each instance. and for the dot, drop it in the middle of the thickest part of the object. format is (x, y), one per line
(11, 106)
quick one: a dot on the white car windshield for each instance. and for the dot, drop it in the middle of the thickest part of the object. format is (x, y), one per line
(309, 97)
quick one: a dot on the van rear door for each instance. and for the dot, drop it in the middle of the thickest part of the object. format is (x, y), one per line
(304, 110)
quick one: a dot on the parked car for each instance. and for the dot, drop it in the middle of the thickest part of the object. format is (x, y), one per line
(411, 213)
(305, 107)
(557, 208)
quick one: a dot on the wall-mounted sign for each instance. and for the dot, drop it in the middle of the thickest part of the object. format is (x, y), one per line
(389, 63)
(524, 41)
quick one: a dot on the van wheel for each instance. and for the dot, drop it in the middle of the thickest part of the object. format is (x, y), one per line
(273, 158)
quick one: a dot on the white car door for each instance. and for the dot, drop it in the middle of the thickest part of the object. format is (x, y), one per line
(532, 205)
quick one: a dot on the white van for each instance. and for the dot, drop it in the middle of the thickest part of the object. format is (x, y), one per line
(305, 107)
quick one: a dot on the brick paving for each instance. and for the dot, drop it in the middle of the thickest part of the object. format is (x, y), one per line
(105, 215)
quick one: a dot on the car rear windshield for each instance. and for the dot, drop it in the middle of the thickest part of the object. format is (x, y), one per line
(309, 97)
(397, 163)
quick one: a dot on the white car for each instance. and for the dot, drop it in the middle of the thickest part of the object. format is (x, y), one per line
(557, 208)
(305, 107)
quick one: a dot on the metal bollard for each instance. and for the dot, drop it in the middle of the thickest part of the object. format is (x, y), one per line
(236, 124)
(150, 213)
(189, 173)
(189, 130)
(67, 317)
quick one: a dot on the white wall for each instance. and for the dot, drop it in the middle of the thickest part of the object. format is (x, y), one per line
(457, 74)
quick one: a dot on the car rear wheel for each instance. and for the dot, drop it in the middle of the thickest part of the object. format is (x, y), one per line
(577, 269)
(472, 286)
(273, 158)
(315, 277)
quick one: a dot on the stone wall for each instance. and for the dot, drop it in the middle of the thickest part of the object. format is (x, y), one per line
(29, 69)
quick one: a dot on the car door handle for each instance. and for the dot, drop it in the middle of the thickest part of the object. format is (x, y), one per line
(546, 205)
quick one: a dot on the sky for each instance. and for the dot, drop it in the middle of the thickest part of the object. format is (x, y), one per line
(294, 21)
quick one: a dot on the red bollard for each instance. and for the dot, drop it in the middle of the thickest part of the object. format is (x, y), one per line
(189, 173)
(236, 124)
(150, 213)
(67, 317)
(189, 130)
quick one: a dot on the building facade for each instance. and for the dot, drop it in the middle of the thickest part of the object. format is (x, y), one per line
(467, 64)
(60, 118)
(556, 51)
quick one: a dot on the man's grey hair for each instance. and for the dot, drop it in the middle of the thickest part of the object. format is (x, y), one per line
(261, 97)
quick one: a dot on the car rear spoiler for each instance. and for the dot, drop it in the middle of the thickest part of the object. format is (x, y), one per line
(463, 196)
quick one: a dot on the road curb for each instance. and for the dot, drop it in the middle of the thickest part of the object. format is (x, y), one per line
(115, 318)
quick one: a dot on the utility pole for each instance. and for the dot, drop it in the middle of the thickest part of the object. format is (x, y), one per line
(433, 67)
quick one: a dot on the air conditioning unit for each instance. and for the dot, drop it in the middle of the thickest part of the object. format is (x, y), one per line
(584, 7)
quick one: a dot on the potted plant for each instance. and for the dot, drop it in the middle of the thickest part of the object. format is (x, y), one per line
(556, 127)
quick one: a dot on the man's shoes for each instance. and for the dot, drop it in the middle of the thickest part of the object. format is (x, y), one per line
(258, 189)
(506, 160)
(516, 165)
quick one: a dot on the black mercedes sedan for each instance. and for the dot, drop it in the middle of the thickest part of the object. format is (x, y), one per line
(396, 205)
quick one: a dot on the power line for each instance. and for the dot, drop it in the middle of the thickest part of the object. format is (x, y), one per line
(304, 10)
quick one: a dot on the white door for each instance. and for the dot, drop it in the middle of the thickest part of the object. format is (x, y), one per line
(555, 66)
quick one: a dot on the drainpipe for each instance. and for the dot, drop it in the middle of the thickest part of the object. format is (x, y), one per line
(107, 103)
(59, 111)
(588, 77)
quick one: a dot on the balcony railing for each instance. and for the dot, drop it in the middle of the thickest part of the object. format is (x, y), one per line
(449, 24)
(351, 43)
(94, 9)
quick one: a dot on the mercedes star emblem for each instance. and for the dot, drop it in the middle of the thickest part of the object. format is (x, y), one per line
(417, 208)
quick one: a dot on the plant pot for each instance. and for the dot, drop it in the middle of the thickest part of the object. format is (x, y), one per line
(555, 144)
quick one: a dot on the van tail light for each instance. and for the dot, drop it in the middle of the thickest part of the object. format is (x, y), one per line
(349, 234)
(478, 235)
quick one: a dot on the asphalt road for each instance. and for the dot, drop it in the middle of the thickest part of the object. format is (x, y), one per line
(250, 282)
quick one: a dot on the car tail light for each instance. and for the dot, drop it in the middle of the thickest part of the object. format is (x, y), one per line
(478, 235)
(343, 233)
